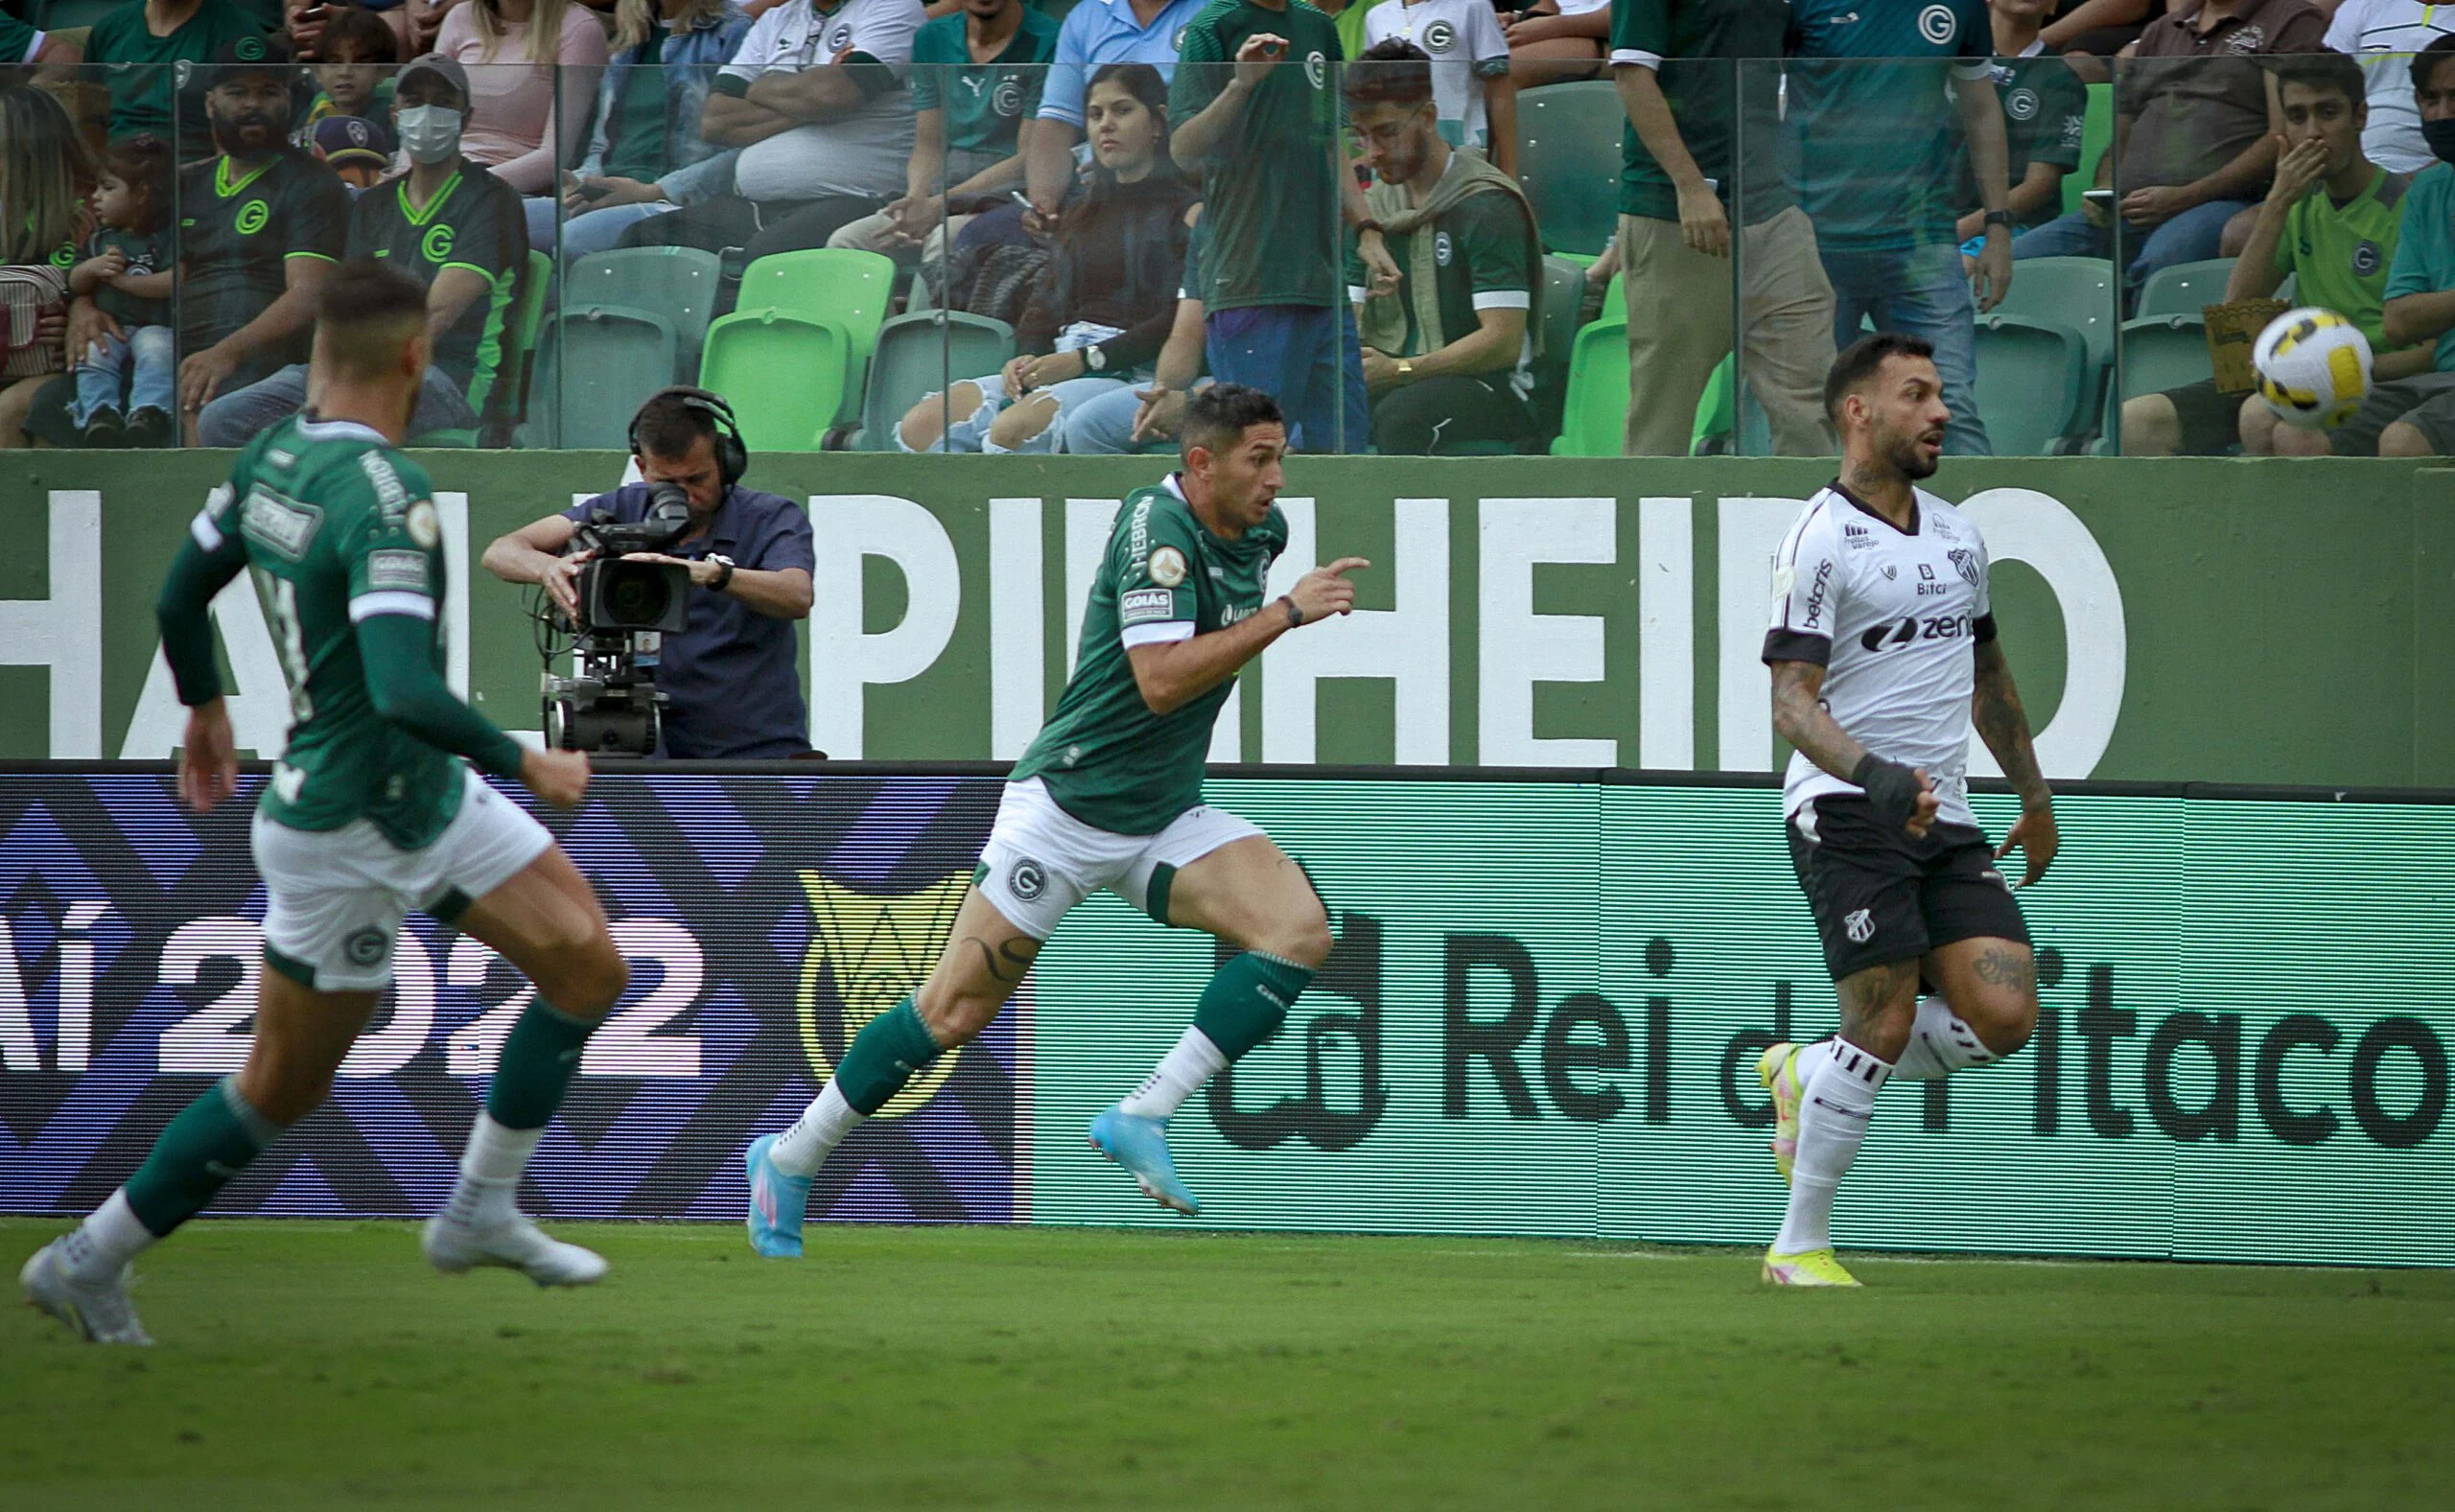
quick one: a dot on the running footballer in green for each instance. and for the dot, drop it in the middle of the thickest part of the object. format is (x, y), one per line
(1109, 796)
(371, 811)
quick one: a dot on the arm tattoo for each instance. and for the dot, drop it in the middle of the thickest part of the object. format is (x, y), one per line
(1800, 717)
(2016, 970)
(1994, 708)
(1008, 963)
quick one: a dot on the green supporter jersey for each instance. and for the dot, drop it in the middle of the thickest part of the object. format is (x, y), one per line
(17, 40)
(474, 223)
(148, 76)
(2045, 110)
(2340, 254)
(335, 526)
(985, 104)
(1694, 48)
(1105, 756)
(1483, 258)
(1270, 186)
(238, 230)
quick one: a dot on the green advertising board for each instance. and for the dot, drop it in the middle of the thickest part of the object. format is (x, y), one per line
(1544, 1010)
(2171, 620)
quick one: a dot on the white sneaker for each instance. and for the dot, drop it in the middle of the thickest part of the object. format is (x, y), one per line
(454, 1246)
(100, 1312)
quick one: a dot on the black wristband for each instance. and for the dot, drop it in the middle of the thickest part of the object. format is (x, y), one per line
(724, 575)
(1294, 615)
(1891, 788)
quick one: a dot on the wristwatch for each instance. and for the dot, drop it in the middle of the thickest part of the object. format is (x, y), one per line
(1294, 615)
(1094, 359)
(1407, 370)
(724, 572)
(1370, 224)
(2002, 218)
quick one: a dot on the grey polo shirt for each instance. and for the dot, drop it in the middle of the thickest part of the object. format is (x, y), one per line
(735, 677)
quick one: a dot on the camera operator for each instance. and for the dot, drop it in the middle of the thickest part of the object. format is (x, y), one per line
(733, 675)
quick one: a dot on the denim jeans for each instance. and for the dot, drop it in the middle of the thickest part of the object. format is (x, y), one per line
(236, 417)
(2190, 236)
(1308, 356)
(148, 359)
(1103, 426)
(1919, 292)
(587, 232)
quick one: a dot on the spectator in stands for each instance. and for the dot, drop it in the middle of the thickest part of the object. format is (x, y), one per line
(976, 78)
(1470, 70)
(1552, 41)
(136, 53)
(1878, 149)
(354, 57)
(21, 43)
(1675, 62)
(1256, 109)
(2382, 33)
(448, 223)
(2331, 220)
(43, 218)
(2197, 122)
(1103, 305)
(532, 68)
(815, 99)
(1145, 419)
(260, 226)
(733, 673)
(1095, 34)
(2046, 112)
(1448, 353)
(359, 150)
(2420, 285)
(127, 388)
(2093, 29)
(647, 155)
(1350, 17)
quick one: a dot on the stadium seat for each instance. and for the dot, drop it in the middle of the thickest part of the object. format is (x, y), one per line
(2075, 292)
(2031, 380)
(597, 365)
(2097, 135)
(841, 286)
(1569, 161)
(678, 283)
(1715, 412)
(2185, 288)
(512, 373)
(783, 373)
(2162, 352)
(1594, 412)
(920, 354)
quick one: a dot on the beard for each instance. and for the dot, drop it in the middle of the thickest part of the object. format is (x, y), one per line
(1910, 461)
(248, 130)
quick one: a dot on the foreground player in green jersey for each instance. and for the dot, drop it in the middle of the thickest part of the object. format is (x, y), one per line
(1109, 796)
(367, 815)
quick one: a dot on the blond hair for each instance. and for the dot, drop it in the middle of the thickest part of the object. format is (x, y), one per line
(545, 29)
(635, 20)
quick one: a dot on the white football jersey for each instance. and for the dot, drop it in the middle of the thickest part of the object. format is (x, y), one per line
(1895, 616)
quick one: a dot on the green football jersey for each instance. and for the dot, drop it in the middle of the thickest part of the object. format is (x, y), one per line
(1271, 185)
(336, 526)
(1105, 756)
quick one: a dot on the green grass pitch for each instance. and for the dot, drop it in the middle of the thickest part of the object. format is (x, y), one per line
(321, 1364)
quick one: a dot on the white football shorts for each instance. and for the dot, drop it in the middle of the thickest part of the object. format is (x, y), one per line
(1040, 860)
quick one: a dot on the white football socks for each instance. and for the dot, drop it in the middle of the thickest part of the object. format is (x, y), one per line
(1939, 1044)
(97, 1250)
(488, 1187)
(1841, 1081)
(1194, 1060)
(801, 1150)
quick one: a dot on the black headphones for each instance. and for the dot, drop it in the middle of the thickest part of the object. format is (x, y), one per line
(733, 458)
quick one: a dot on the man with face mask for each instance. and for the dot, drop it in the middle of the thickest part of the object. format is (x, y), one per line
(260, 223)
(450, 224)
(2421, 289)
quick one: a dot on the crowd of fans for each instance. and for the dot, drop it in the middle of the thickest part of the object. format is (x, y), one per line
(1330, 202)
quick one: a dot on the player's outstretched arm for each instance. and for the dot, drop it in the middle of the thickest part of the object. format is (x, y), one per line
(396, 652)
(1800, 717)
(1994, 708)
(1174, 673)
(211, 557)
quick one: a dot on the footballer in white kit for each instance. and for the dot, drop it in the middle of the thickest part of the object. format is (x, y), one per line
(1885, 656)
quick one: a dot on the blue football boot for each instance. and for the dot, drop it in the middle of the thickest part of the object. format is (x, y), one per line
(1140, 1144)
(777, 1203)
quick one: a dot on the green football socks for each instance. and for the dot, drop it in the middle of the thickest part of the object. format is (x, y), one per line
(211, 1141)
(536, 1066)
(1246, 1000)
(890, 1050)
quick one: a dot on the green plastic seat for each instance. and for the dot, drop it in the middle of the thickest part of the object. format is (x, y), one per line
(2162, 352)
(512, 372)
(1568, 160)
(2075, 292)
(2184, 289)
(919, 355)
(849, 288)
(596, 364)
(2031, 377)
(1716, 410)
(1594, 415)
(783, 374)
(679, 283)
(2097, 136)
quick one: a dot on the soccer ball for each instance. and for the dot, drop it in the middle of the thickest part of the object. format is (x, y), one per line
(2313, 368)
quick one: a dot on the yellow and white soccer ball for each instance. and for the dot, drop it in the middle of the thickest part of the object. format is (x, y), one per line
(2313, 367)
